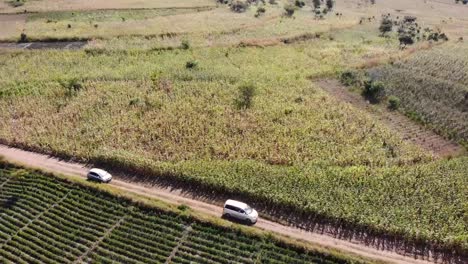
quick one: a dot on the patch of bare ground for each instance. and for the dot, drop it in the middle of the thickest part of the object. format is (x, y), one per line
(11, 25)
(408, 129)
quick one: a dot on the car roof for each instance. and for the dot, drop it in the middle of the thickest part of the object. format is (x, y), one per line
(99, 171)
(236, 204)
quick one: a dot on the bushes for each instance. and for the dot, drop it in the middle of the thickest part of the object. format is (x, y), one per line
(23, 38)
(289, 10)
(349, 78)
(374, 91)
(260, 11)
(191, 64)
(393, 103)
(299, 3)
(386, 25)
(185, 44)
(239, 6)
(72, 86)
(244, 99)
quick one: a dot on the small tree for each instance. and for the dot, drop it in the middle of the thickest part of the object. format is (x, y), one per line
(239, 6)
(386, 25)
(374, 90)
(317, 4)
(245, 96)
(260, 11)
(330, 4)
(393, 103)
(23, 38)
(289, 10)
(191, 64)
(299, 3)
(185, 44)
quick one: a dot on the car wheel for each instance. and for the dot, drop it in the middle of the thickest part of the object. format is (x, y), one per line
(226, 216)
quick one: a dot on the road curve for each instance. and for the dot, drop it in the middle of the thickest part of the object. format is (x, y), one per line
(176, 196)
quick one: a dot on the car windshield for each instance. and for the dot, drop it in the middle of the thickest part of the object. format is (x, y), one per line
(248, 210)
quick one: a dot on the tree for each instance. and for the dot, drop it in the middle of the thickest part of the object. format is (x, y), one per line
(317, 4)
(289, 10)
(239, 6)
(386, 25)
(374, 91)
(245, 97)
(330, 4)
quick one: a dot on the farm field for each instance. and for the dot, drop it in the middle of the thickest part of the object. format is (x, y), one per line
(226, 103)
(47, 220)
(433, 88)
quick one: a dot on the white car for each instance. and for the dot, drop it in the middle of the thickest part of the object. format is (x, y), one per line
(99, 175)
(240, 211)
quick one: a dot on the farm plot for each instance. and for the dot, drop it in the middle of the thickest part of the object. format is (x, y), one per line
(45, 220)
(433, 88)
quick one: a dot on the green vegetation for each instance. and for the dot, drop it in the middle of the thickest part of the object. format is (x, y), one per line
(433, 85)
(46, 220)
(223, 101)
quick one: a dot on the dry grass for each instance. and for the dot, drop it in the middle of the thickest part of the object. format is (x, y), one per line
(11, 26)
(64, 5)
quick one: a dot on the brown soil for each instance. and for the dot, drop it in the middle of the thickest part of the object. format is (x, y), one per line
(408, 129)
(209, 205)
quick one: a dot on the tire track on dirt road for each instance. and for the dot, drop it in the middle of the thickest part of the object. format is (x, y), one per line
(178, 196)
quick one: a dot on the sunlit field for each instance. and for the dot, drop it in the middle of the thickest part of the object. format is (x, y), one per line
(194, 93)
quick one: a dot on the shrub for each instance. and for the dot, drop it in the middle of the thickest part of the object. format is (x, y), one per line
(349, 78)
(260, 11)
(191, 64)
(272, 2)
(23, 38)
(330, 4)
(317, 4)
(299, 3)
(183, 207)
(245, 96)
(393, 103)
(185, 44)
(374, 90)
(386, 25)
(289, 10)
(239, 6)
(17, 3)
(72, 86)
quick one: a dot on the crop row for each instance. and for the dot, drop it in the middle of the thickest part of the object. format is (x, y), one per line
(440, 103)
(45, 220)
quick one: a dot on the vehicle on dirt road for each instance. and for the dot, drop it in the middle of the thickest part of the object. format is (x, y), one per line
(99, 175)
(240, 211)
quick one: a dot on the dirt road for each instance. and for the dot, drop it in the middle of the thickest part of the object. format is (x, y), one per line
(177, 196)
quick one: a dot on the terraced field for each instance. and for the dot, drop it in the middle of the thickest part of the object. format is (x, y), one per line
(46, 220)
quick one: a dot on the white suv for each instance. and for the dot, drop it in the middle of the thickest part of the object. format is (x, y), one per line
(240, 211)
(99, 175)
